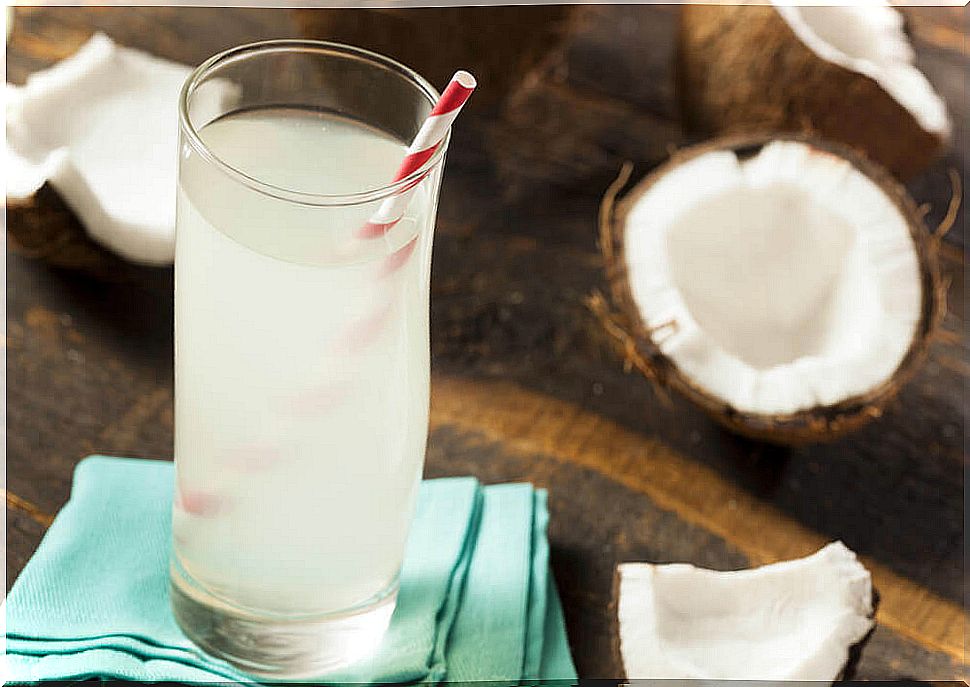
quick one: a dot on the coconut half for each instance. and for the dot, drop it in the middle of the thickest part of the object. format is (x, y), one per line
(846, 73)
(101, 128)
(786, 287)
(795, 620)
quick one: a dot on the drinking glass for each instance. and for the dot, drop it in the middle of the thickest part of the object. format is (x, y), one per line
(301, 352)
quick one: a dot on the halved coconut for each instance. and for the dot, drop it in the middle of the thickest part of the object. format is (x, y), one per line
(843, 72)
(795, 620)
(787, 287)
(98, 131)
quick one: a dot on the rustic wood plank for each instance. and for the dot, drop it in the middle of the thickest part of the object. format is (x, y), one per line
(531, 423)
(23, 535)
(24, 506)
(80, 353)
(42, 36)
(597, 522)
(594, 522)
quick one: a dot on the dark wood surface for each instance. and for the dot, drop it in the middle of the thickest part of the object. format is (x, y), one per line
(524, 386)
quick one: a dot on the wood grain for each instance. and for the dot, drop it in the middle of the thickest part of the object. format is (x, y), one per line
(24, 506)
(532, 423)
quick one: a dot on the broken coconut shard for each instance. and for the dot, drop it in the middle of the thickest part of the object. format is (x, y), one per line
(795, 620)
(787, 287)
(101, 128)
(844, 73)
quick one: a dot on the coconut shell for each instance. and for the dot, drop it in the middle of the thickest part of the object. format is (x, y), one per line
(42, 227)
(497, 44)
(634, 343)
(741, 69)
(614, 614)
(848, 671)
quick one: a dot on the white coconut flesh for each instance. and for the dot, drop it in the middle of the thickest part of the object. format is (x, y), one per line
(780, 283)
(102, 128)
(869, 39)
(794, 620)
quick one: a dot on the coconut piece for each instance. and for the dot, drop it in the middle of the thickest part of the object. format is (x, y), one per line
(786, 287)
(795, 620)
(101, 128)
(843, 72)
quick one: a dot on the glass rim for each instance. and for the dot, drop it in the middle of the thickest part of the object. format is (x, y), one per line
(288, 194)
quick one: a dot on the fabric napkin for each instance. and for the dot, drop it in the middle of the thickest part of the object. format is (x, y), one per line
(477, 601)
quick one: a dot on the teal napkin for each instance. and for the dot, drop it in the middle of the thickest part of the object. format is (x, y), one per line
(477, 601)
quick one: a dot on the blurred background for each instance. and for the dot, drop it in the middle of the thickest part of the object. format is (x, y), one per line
(525, 385)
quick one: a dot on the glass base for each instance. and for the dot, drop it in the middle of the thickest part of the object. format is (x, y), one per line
(280, 648)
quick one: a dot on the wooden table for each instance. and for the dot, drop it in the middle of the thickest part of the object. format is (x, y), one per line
(524, 387)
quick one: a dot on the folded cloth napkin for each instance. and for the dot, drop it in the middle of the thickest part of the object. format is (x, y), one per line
(477, 601)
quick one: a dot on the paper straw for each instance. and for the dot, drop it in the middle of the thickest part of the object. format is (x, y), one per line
(430, 136)
(429, 139)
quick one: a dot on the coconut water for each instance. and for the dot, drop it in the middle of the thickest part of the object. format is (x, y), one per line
(302, 363)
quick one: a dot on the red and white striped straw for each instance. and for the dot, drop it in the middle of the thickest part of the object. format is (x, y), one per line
(429, 138)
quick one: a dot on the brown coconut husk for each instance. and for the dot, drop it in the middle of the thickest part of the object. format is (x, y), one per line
(634, 341)
(741, 69)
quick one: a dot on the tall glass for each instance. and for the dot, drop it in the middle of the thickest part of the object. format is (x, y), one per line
(301, 356)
